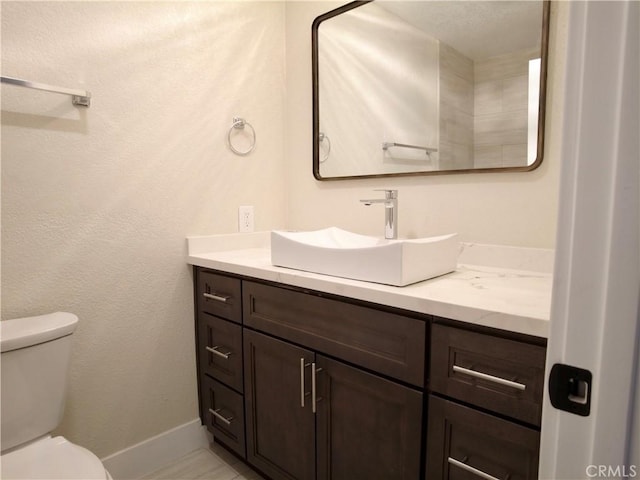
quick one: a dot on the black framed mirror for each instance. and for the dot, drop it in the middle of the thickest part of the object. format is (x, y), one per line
(429, 87)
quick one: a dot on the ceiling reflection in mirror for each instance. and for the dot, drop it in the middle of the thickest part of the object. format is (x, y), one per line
(428, 87)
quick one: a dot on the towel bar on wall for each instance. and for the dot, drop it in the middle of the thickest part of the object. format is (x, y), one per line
(78, 97)
(428, 150)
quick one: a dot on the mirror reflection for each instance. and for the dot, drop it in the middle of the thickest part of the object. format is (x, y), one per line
(424, 87)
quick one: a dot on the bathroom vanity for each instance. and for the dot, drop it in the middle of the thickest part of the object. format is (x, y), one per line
(307, 376)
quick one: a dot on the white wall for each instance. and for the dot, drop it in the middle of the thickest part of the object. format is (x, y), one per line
(514, 209)
(97, 202)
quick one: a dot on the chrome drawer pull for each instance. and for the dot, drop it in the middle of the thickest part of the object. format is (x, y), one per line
(470, 469)
(220, 417)
(491, 378)
(217, 298)
(217, 352)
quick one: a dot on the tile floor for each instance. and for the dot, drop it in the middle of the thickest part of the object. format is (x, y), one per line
(206, 464)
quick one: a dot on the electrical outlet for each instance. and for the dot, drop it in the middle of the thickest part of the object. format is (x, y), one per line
(245, 218)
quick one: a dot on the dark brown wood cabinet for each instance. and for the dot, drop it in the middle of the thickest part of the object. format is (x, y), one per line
(220, 347)
(381, 341)
(218, 308)
(303, 408)
(367, 427)
(464, 443)
(304, 385)
(219, 295)
(499, 374)
(223, 414)
(280, 428)
(503, 377)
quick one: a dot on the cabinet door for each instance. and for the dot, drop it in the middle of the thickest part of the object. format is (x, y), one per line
(367, 427)
(466, 444)
(280, 430)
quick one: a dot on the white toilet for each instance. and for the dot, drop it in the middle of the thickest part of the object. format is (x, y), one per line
(34, 362)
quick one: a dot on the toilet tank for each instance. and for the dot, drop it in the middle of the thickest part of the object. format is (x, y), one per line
(35, 361)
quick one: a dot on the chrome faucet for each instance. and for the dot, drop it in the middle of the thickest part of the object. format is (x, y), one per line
(390, 212)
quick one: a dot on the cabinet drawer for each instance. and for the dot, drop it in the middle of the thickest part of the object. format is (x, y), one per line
(220, 350)
(387, 343)
(502, 375)
(223, 411)
(463, 443)
(219, 295)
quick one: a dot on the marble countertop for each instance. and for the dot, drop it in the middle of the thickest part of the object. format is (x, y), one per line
(507, 288)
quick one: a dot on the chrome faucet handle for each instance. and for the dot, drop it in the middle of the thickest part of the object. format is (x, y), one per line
(388, 193)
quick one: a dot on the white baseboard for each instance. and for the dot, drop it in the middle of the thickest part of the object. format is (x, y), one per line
(156, 452)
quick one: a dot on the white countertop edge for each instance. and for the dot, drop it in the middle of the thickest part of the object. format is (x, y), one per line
(255, 263)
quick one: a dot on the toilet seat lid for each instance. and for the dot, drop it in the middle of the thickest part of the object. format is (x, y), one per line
(52, 458)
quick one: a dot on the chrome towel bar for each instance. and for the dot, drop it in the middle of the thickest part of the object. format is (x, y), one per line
(78, 97)
(428, 150)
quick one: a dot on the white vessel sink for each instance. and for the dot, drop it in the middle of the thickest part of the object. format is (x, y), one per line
(339, 253)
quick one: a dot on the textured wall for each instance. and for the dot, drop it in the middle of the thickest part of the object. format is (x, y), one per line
(511, 209)
(96, 203)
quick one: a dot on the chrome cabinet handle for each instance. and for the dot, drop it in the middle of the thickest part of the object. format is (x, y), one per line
(314, 398)
(302, 382)
(217, 298)
(216, 414)
(303, 393)
(471, 469)
(217, 352)
(491, 378)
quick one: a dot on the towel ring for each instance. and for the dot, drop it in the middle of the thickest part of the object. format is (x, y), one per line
(321, 138)
(239, 124)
